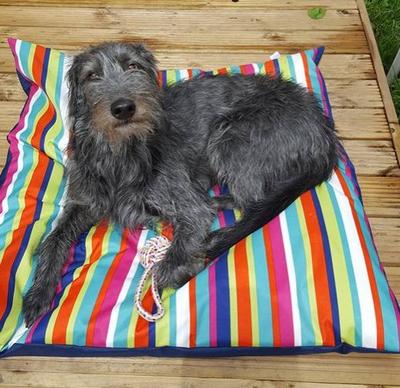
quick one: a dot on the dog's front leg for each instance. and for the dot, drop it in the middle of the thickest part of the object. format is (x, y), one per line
(186, 255)
(53, 252)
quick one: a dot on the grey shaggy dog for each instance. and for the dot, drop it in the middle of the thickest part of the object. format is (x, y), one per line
(140, 153)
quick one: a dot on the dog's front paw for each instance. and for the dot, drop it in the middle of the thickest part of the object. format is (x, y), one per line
(36, 302)
(170, 273)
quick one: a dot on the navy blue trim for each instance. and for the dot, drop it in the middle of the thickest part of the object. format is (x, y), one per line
(168, 351)
(25, 82)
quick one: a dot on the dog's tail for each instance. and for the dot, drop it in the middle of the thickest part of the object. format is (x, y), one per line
(259, 213)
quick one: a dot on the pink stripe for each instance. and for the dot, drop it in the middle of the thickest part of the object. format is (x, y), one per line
(213, 305)
(114, 289)
(14, 151)
(248, 69)
(282, 284)
(12, 43)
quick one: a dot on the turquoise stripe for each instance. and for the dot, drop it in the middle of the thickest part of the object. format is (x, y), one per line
(90, 298)
(24, 57)
(349, 265)
(202, 309)
(292, 69)
(300, 265)
(388, 313)
(263, 289)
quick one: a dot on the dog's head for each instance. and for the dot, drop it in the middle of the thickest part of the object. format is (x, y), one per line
(114, 90)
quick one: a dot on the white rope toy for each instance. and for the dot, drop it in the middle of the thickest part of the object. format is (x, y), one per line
(154, 250)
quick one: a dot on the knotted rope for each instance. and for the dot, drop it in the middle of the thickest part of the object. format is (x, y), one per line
(154, 250)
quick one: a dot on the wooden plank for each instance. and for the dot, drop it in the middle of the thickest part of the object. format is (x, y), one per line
(145, 19)
(51, 379)
(360, 123)
(180, 20)
(352, 369)
(386, 232)
(393, 275)
(381, 76)
(213, 38)
(342, 93)
(381, 196)
(336, 66)
(184, 4)
(354, 93)
(376, 157)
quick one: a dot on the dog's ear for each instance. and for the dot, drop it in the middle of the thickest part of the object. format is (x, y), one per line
(75, 100)
(76, 96)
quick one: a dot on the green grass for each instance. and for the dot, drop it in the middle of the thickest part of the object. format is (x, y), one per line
(385, 20)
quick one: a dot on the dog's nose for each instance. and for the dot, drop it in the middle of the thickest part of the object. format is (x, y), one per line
(123, 108)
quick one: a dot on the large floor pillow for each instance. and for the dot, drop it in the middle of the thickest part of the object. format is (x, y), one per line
(309, 281)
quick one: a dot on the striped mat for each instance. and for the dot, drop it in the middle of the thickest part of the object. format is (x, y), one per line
(310, 280)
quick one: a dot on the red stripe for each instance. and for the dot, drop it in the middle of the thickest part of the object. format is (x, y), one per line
(368, 264)
(61, 322)
(103, 290)
(37, 64)
(243, 295)
(319, 271)
(306, 71)
(193, 309)
(272, 287)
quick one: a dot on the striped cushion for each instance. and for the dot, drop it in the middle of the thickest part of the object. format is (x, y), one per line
(310, 280)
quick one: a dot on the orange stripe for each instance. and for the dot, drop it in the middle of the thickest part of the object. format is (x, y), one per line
(37, 64)
(64, 313)
(243, 295)
(142, 326)
(319, 270)
(28, 212)
(103, 290)
(306, 71)
(272, 287)
(374, 289)
(270, 68)
(192, 304)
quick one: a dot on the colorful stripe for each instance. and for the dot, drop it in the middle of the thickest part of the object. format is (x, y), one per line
(311, 277)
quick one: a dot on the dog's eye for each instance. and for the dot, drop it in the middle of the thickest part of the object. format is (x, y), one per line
(93, 77)
(133, 66)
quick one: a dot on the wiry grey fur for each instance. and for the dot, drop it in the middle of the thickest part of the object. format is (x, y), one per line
(265, 138)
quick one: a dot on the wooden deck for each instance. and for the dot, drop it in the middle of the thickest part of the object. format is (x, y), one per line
(209, 33)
